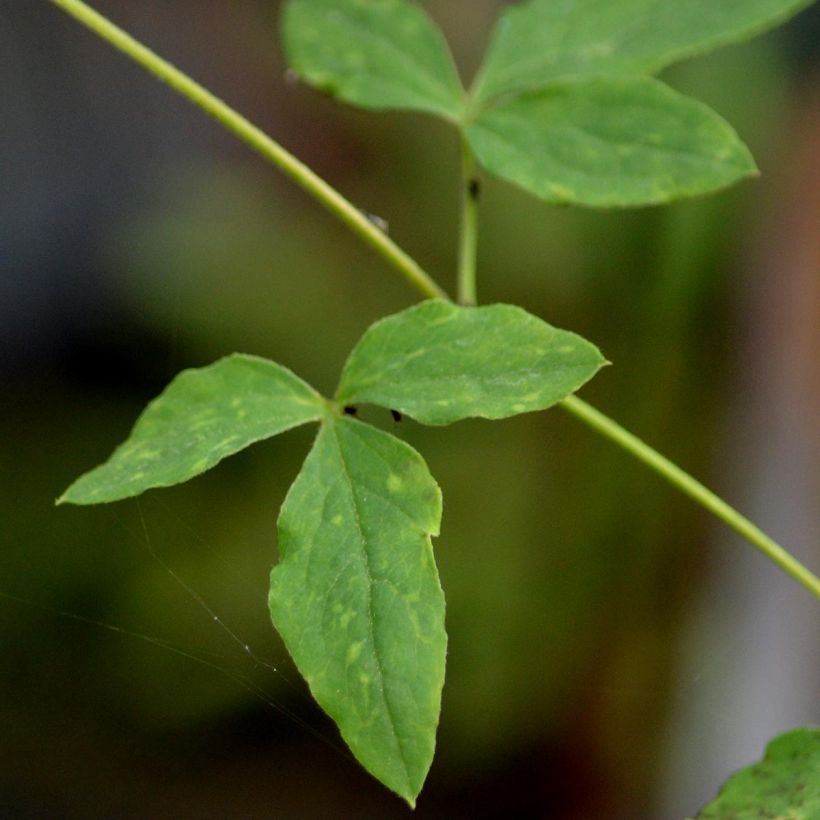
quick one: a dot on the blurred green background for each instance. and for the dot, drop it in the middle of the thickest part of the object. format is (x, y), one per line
(613, 653)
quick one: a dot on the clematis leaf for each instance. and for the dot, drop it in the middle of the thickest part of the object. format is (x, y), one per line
(373, 53)
(542, 41)
(785, 784)
(609, 142)
(356, 596)
(439, 363)
(203, 416)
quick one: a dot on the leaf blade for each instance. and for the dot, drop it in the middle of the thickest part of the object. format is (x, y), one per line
(439, 363)
(373, 53)
(543, 41)
(357, 599)
(203, 416)
(786, 783)
(610, 142)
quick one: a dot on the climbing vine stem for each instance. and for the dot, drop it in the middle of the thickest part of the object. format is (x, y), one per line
(694, 489)
(257, 139)
(363, 227)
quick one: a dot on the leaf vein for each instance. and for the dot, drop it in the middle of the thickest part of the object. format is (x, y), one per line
(370, 616)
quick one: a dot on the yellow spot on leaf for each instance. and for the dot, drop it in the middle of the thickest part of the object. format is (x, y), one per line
(562, 191)
(353, 652)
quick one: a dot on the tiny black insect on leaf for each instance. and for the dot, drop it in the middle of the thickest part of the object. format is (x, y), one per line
(397, 417)
(350, 410)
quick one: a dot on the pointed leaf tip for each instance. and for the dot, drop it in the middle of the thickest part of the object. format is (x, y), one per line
(540, 42)
(203, 416)
(357, 599)
(610, 142)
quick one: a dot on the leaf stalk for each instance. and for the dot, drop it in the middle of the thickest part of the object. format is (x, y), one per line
(470, 193)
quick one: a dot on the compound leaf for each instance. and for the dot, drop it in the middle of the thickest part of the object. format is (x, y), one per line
(439, 363)
(374, 53)
(617, 141)
(542, 41)
(203, 416)
(357, 599)
(785, 784)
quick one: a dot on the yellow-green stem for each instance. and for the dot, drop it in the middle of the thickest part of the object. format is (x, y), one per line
(416, 276)
(694, 489)
(470, 191)
(257, 139)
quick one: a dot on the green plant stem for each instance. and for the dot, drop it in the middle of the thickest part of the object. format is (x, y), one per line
(470, 192)
(694, 489)
(257, 139)
(416, 276)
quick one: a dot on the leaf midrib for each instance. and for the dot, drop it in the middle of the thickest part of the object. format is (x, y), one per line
(361, 393)
(370, 617)
(570, 131)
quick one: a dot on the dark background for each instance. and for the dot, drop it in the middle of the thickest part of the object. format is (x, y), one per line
(614, 653)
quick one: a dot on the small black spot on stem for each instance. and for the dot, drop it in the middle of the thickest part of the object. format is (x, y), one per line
(350, 410)
(474, 188)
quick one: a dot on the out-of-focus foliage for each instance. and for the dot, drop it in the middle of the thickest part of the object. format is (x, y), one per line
(540, 41)
(383, 54)
(786, 783)
(561, 105)
(609, 142)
